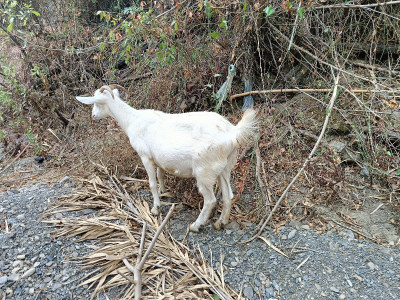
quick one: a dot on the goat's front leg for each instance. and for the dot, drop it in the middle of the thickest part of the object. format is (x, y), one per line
(161, 180)
(151, 172)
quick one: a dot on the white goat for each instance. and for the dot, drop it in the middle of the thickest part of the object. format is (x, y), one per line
(203, 145)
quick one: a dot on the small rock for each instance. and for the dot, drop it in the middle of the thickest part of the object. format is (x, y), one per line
(349, 234)
(334, 289)
(64, 180)
(49, 264)
(9, 292)
(333, 247)
(31, 291)
(338, 146)
(295, 224)
(17, 263)
(249, 273)
(305, 227)
(371, 265)
(56, 286)
(14, 277)
(342, 296)
(275, 285)
(247, 224)
(269, 292)
(234, 264)
(364, 172)
(248, 292)
(3, 279)
(28, 273)
(292, 234)
(232, 225)
(262, 276)
(21, 216)
(47, 279)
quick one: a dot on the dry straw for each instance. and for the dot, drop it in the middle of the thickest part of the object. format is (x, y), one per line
(124, 229)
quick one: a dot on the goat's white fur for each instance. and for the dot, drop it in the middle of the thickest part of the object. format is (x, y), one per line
(203, 145)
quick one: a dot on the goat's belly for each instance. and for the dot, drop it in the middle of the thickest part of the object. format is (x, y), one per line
(186, 173)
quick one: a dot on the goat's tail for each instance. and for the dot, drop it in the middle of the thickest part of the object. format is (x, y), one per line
(247, 127)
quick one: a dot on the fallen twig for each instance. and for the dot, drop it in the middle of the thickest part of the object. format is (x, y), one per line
(329, 110)
(137, 276)
(374, 211)
(262, 185)
(272, 246)
(375, 240)
(302, 263)
(19, 154)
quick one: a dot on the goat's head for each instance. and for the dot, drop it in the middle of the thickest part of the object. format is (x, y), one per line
(102, 99)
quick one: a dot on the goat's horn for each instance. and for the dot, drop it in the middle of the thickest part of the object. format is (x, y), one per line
(107, 88)
(118, 87)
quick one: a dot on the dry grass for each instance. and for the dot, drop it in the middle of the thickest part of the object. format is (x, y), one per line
(170, 271)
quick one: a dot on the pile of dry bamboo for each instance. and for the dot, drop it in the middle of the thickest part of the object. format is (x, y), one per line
(135, 251)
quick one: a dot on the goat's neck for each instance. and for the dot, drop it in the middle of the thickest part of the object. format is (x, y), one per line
(122, 113)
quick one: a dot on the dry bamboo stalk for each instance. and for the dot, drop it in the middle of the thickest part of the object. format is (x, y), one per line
(278, 91)
(137, 276)
(329, 110)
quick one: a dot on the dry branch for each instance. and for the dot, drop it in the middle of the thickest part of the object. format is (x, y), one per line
(357, 5)
(19, 154)
(329, 110)
(278, 91)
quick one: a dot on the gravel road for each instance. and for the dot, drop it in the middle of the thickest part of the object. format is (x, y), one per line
(333, 265)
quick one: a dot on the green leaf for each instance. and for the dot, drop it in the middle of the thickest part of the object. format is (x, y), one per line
(223, 24)
(301, 12)
(37, 14)
(215, 297)
(214, 34)
(10, 26)
(269, 11)
(217, 75)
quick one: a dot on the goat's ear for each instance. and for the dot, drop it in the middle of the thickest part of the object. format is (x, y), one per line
(90, 100)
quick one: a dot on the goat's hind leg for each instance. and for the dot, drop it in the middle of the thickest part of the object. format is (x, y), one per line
(227, 195)
(206, 189)
(161, 180)
(152, 173)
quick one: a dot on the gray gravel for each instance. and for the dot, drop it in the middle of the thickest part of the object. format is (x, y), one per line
(32, 264)
(328, 266)
(320, 266)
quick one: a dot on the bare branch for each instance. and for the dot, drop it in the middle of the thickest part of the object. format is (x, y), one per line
(329, 110)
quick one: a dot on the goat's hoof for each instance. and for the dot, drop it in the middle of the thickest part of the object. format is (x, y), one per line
(193, 227)
(155, 210)
(218, 225)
